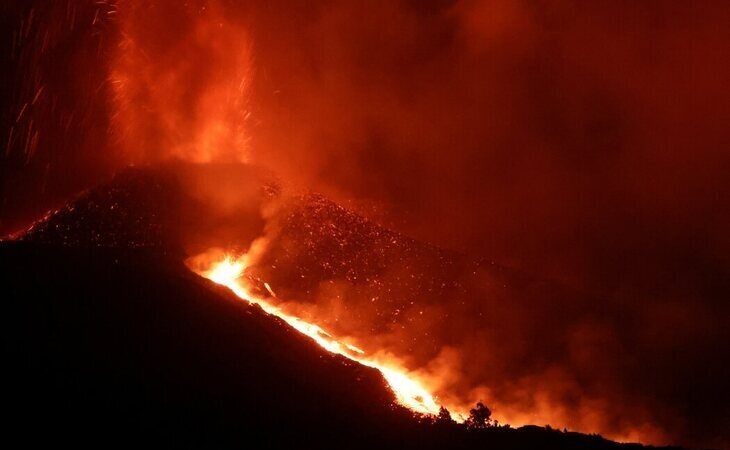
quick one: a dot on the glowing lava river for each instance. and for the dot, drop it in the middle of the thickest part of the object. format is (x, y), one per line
(408, 391)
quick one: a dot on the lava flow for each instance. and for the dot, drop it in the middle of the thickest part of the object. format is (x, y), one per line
(408, 391)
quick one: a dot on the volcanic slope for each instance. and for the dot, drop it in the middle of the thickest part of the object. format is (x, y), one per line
(108, 338)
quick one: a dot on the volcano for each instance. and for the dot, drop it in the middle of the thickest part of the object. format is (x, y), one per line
(109, 337)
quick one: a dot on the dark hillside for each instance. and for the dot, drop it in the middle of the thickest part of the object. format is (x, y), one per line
(108, 338)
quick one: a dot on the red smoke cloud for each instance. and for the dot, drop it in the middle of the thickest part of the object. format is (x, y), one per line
(583, 143)
(181, 84)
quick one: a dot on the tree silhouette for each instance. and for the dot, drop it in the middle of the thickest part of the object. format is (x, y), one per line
(444, 417)
(479, 417)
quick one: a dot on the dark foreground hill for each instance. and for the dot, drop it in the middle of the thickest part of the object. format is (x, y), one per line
(120, 343)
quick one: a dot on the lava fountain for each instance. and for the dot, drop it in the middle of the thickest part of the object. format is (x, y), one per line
(196, 109)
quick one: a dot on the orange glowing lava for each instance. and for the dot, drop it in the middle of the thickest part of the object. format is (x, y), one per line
(408, 390)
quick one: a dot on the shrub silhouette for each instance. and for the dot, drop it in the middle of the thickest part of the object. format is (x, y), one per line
(479, 417)
(444, 418)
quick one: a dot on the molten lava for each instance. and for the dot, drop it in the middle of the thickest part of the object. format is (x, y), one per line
(409, 391)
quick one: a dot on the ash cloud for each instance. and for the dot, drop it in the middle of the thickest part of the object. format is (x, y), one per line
(582, 143)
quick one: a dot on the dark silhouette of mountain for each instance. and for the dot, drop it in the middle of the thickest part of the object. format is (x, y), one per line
(109, 339)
